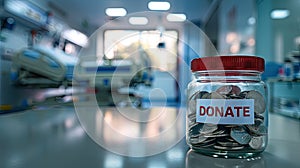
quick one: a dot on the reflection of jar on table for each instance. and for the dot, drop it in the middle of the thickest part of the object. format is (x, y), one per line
(196, 160)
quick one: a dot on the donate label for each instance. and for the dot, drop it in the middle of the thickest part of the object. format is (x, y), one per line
(225, 111)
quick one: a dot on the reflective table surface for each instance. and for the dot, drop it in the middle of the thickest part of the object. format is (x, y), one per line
(53, 137)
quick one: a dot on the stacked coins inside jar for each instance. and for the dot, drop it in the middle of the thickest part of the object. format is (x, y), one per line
(227, 114)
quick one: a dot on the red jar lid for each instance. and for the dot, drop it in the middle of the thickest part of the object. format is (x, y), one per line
(232, 62)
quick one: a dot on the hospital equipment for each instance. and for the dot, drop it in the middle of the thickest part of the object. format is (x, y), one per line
(43, 66)
(115, 79)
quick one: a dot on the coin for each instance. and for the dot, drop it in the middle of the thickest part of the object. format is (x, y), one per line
(208, 128)
(200, 145)
(237, 148)
(215, 95)
(259, 101)
(240, 135)
(243, 94)
(192, 124)
(229, 90)
(208, 140)
(195, 136)
(235, 90)
(192, 115)
(224, 90)
(262, 130)
(194, 95)
(258, 121)
(194, 140)
(220, 147)
(230, 139)
(201, 94)
(228, 144)
(234, 97)
(260, 116)
(192, 106)
(193, 100)
(206, 96)
(229, 126)
(192, 120)
(195, 129)
(204, 146)
(203, 141)
(256, 142)
(219, 131)
(228, 148)
(215, 135)
(258, 130)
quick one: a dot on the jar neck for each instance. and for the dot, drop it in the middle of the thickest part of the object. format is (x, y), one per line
(209, 76)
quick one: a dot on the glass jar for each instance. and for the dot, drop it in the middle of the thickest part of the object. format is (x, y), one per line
(227, 107)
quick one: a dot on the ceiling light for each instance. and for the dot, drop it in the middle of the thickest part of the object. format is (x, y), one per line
(159, 5)
(176, 17)
(115, 12)
(297, 40)
(138, 20)
(280, 13)
(251, 20)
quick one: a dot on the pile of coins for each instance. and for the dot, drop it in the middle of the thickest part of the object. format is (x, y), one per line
(228, 137)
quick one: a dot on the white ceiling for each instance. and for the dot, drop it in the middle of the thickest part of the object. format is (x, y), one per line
(88, 15)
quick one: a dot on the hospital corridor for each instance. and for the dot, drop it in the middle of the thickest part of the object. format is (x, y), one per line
(149, 83)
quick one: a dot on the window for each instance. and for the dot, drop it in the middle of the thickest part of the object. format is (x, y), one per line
(160, 47)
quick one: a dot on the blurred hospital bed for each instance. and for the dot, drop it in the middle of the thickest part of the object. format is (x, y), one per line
(43, 66)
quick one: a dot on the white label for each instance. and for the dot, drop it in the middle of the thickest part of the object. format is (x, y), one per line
(225, 111)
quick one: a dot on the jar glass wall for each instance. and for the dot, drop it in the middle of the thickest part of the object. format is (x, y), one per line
(227, 114)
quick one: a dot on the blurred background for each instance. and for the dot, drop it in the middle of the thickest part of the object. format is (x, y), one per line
(50, 34)
(126, 53)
